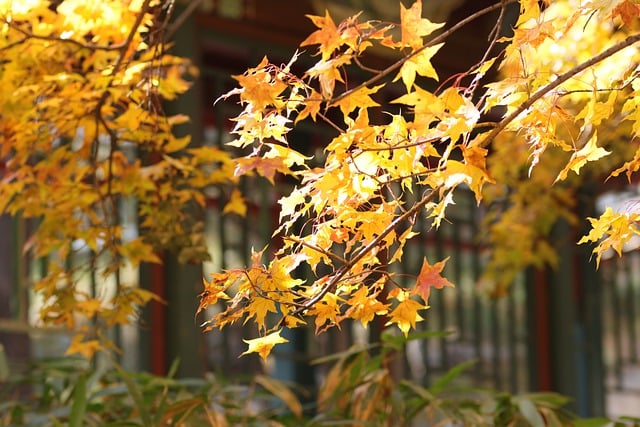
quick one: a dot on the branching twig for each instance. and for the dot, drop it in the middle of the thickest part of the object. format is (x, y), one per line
(30, 35)
(439, 38)
(326, 253)
(342, 271)
(175, 26)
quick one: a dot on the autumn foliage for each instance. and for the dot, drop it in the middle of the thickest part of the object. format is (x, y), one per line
(562, 98)
(551, 104)
(82, 129)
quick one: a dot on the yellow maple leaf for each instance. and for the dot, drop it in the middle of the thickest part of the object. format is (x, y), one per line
(259, 308)
(589, 153)
(259, 87)
(264, 345)
(405, 314)
(418, 64)
(365, 307)
(611, 230)
(326, 312)
(236, 204)
(80, 346)
(529, 10)
(359, 98)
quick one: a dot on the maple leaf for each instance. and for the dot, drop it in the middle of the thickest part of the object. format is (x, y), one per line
(529, 10)
(264, 167)
(311, 106)
(589, 153)
(326, 313)
(327, 36)
(405, 314)
(264, 345)
(258, 87)
(414, 26)
(612, 230)
(418, 64)
(328, 72)
(365, 307)
(430, 276)
(627, 10)
(236, 204)
(259, 308)
(85, 348)
(214, 290)
(357, 99)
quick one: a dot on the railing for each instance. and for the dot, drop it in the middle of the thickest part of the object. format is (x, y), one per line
(621, 327)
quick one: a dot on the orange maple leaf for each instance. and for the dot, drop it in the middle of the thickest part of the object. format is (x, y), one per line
(311, 107)
(327, 36)
(414, 26)
(628, 11)
(430, 277)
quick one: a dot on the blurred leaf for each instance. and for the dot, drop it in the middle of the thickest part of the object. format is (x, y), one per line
(181, 409)
(279, 389)
(530, 412)
(450, 375)
(79, 404)
(136, 395)
(4, 365)
(553, 400)
(592, 422)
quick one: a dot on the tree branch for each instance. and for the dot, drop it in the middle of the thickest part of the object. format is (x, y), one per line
(554, 84)
(439, 38)
(343, 270)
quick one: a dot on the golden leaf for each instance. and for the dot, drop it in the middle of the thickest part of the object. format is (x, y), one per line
(264, 345)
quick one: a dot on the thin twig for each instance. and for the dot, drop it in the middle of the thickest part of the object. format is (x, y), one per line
(342, 271)
(30, 35)
(175, 26)
(315, 248)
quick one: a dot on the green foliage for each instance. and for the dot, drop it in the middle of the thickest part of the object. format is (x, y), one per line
(361, 390)
(70, 391)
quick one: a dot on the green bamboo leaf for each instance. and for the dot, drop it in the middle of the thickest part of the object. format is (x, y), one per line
(530, 412)
(136, 395)
(279, 389)
(450, 375)
(592, 422)
(79, 405)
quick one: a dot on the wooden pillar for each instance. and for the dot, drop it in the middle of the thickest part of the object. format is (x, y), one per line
(13, 307)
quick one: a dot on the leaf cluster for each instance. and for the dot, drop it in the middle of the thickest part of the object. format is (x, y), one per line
(405, 143)
(82, 132)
